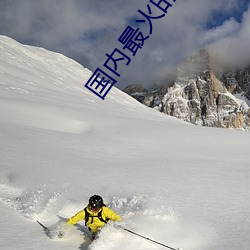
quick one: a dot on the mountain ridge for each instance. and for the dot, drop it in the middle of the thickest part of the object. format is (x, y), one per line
(200, 95)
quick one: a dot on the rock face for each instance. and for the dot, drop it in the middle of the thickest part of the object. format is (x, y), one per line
(201, 97)
(137, 91)
(237, 81)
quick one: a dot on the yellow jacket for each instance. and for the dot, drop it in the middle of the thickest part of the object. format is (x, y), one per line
(94, 223)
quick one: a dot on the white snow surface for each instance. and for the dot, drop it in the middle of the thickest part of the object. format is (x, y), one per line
(182, 185)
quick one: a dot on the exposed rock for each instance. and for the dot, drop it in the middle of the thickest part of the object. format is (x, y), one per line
(137, 91)
(237, 81)
(133, 88)
(201, 97)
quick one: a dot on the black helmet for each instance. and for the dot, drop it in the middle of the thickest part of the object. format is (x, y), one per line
(96, 202)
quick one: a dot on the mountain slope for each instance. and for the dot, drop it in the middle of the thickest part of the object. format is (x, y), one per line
(182, 185)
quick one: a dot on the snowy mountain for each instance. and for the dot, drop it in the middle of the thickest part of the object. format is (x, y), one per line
(201, 96)
(182, 185)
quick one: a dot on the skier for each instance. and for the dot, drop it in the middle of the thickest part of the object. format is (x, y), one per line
(95, 214)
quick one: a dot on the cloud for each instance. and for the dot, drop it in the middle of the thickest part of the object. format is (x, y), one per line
(229, 27)
(233, 49)
(86, 30)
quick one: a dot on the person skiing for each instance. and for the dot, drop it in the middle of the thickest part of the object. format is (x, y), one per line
(95, 214)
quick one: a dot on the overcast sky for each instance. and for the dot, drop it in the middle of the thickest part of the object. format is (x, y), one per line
(87, 30)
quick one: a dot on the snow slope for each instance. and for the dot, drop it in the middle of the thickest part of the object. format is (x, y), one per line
(179, 184)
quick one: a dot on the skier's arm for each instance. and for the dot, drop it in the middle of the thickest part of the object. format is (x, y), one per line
(77, 217)
(110, 214)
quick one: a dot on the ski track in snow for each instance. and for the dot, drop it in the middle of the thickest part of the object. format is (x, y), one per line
(145, 214)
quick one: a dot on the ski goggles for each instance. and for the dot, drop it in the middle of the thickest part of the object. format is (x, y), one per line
(94, 208)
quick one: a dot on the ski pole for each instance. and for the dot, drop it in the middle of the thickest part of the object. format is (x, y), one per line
(146, 238)
(45, 228)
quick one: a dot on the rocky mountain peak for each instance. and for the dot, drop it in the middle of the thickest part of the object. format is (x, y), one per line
(202, 97)
(197, 64)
